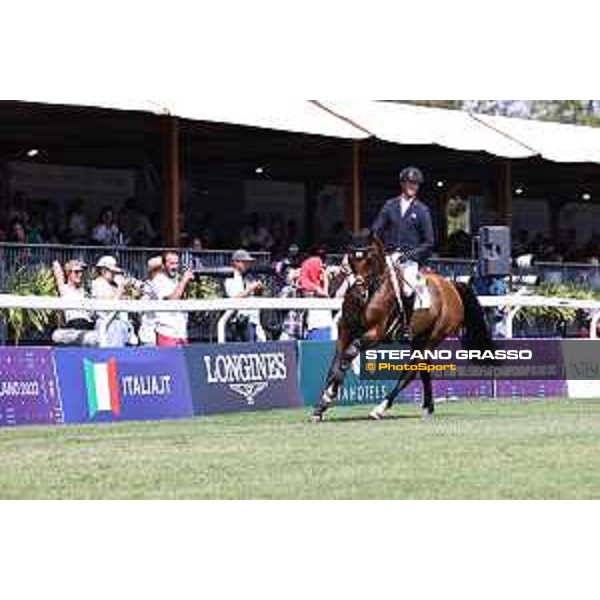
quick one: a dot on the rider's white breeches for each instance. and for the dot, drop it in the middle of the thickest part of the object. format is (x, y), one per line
(413, 280)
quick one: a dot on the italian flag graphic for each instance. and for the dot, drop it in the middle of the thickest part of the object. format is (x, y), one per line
(102, 387)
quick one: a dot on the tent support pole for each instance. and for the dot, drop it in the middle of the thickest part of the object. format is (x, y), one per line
(171, 181)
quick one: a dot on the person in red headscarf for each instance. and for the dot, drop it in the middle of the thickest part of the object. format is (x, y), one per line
(312, 283)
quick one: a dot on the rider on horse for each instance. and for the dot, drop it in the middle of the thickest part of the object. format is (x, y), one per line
(404, 225)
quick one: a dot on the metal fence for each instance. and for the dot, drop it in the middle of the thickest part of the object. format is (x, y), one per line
(15, 257)
(28, 258)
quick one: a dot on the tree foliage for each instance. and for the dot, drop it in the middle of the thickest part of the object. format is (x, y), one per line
(580, 112)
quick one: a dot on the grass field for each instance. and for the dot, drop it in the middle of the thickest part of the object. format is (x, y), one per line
(545, 449)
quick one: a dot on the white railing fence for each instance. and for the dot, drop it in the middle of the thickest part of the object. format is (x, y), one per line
(510, 305)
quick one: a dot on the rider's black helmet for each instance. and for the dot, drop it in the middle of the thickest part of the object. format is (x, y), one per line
(412, 174)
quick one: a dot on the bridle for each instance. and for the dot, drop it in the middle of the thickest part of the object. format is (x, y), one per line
(365, 284)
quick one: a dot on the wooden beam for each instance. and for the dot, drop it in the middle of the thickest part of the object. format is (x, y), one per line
(171, 208)
(353, 191)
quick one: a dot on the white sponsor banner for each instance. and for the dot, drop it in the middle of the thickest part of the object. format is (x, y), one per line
(584, 388)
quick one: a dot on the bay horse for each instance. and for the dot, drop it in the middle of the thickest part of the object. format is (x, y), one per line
(371, 313)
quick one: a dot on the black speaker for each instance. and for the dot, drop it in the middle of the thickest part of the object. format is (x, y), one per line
(495, 251)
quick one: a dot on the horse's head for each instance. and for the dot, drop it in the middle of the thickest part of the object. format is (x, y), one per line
(366, 257)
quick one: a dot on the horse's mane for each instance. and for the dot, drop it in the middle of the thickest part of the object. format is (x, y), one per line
(379, 253)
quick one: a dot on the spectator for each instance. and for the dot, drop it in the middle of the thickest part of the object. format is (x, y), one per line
(143, 234)
(124, 228)
(77, 226)
(313, 283)
(245, 326)
(171, 327)
(33, 228)
(49, 229)
(254, 236)
(109, 283)
(135, 225)
(193, 259)
(149, 321)
(114, 328)
(106, 232)
(16, 231)
(70, 285)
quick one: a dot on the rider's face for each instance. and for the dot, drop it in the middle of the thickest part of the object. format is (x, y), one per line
(410, 189)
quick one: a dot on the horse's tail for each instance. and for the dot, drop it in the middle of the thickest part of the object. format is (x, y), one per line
(476, 334)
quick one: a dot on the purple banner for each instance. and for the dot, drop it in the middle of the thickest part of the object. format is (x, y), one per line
(28, 387)
(126, 384)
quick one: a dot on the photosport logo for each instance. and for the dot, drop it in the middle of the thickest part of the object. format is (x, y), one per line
(102, 387)
(248, 375)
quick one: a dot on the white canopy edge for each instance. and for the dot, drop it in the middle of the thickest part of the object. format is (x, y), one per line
(558, 142)
(416, 125)
(292, 115)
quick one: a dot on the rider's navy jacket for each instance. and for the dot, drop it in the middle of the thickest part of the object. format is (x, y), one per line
(411, 233)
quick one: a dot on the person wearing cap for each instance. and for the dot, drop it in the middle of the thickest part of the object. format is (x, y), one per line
(171, 327)
(405, 227)
(69, 282)
(109, 283)
(313, 283)
(114, 328)
(246, 323)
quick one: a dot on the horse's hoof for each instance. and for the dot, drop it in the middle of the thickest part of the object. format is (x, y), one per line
(316, 418)
(375, 415)
(426, 414)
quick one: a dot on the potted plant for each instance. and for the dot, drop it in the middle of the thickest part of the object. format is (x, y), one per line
(31, 324)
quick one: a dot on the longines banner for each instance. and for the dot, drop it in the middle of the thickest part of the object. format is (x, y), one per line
(28, 388)
(242, 377)
(123, 384)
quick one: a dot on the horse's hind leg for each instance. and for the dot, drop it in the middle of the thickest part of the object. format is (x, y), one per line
(407, 377)
(405, 380)
(428, 403)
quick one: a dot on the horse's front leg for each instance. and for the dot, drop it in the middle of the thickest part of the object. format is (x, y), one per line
(346, 351)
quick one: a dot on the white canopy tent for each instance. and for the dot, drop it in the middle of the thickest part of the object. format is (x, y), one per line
(297, 116)
(504, 137)
(557, 142)
(408, 124)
